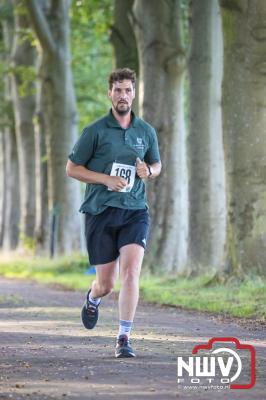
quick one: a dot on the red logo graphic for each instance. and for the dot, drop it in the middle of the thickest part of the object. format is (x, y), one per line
(238, 346)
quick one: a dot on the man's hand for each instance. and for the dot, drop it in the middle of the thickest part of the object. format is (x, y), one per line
(142, 169)
(115, 183)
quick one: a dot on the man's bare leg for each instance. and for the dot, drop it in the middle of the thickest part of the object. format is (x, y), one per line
(104, 282)
(101, 286)
(131, 257)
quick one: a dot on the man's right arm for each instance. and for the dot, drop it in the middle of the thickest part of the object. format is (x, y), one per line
(85, 175)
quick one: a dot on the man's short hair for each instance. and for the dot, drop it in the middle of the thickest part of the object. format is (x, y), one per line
(120, 75)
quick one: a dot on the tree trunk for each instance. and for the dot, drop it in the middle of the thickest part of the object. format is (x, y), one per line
(2, 186)
(10, 158)
(60, 118)
(124, 41)
(207, 176)
(22, 59)
(12, 215)
(162, 65)
(244, 121)
(2, 150)
(42, 214)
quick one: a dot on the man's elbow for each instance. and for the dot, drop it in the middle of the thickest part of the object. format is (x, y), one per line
(69, 170)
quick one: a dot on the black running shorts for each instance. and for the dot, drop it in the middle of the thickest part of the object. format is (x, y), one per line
(115, 227)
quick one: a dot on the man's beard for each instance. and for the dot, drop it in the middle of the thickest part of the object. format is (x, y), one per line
(121, 112)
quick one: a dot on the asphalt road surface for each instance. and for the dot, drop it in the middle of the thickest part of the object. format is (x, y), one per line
(47, 354)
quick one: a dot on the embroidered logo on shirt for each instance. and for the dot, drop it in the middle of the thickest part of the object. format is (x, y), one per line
(139, 145)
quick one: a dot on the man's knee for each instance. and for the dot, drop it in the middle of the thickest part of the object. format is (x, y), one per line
(131, 274)
(106, 287)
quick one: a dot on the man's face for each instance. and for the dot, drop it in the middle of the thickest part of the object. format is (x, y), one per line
(122, 95)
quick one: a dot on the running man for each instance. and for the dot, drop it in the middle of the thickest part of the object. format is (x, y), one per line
(114, 156)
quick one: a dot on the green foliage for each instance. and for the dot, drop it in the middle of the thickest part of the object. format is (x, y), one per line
(28, 242)
(239, 298)
(6, 106)
(20, 8)
(91, 56)
(229, 21)
(26, 76)
(66, 271)
(184, 23)
(27, 35)
(6, 10)
(245, 297)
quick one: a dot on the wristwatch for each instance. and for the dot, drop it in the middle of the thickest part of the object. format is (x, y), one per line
(150, 171)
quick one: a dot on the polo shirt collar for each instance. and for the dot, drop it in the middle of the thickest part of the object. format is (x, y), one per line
(113, 123)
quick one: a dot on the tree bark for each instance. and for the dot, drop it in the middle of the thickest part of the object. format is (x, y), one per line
(42, 214)
(122, 36)
(51, 26)
(2, 187)
(2, 151)
(22, 60)
(206, 156)
(124, 41)
(12, 207)
(10, 158)
(162, 66)
(244, 121)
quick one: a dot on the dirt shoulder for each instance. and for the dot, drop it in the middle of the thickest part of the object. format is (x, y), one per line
(47, 354)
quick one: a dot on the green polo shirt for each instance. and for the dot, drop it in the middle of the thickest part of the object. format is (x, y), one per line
(105, 142)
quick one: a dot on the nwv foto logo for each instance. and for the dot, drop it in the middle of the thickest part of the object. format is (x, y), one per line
(222, 365)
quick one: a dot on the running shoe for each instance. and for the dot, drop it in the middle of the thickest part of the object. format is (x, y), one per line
(123, 348)
(89, 313)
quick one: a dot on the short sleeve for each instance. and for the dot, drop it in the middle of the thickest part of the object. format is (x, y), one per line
(84, 148)
(152, 155)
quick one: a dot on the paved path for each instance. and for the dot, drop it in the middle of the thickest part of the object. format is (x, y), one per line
(46, 353)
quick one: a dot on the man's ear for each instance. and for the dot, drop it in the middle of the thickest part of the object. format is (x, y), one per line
(109, 93)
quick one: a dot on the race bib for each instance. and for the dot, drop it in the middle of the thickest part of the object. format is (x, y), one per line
(127, 172)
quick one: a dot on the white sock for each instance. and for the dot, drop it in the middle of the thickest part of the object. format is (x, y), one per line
(124, 328)
(94, 300)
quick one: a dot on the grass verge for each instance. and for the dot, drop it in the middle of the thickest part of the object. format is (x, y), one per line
(238, 298)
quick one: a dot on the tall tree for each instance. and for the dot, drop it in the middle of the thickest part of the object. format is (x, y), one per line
(2, 143)
(122, 36)
(23, 97)
(162, 66)
(42, 214)
(11, 200)
(124, 41)
(2, 187)
(244, 121)
(51, 25)
(11, 188)
(92, 56)
(207, 176)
